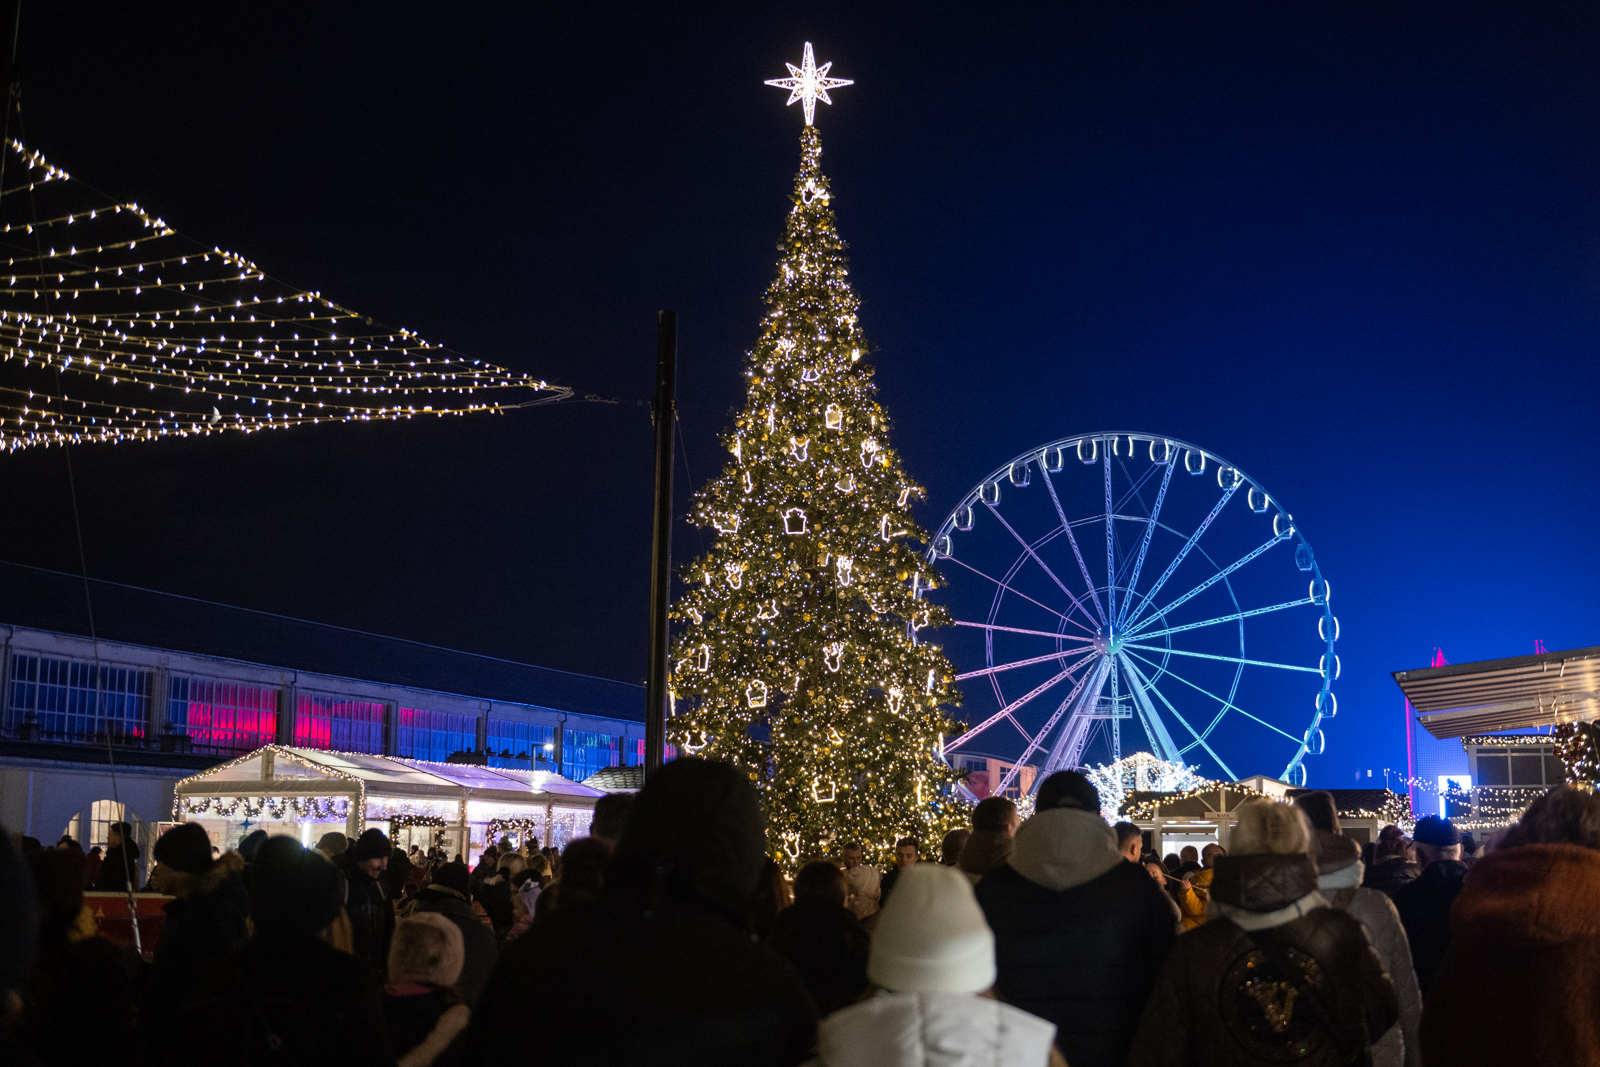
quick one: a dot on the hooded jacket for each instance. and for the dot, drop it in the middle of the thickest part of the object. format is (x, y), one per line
(1080, 933)
(205, 925)
(984, 851)
(1521, 979)
(1214, 1004)
(1339, 882)
(661, 968)
(477, 941)
(933, 1030)
(1390, 874)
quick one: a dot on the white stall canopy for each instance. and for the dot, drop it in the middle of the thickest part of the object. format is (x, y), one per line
(279, 784)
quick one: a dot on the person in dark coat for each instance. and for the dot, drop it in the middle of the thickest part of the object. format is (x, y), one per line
(660, 969)
(1080, 934)
(1521, 979)
(1275, 975)
(448, 895)
(367, 900)
(1424, 903)
(289, 997)
(822, 938)
(205, 925)
(1392, 866)
(120, 868)
(79, 1002)
(420, 1003)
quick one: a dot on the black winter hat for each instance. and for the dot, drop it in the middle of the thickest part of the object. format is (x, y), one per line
(186, 847)
(1320, 809)
(292, 891)
(371, 845)
(1432, 830)
(453, 876)
(1067, 786)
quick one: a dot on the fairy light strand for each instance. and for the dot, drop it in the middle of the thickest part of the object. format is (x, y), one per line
(114, 327)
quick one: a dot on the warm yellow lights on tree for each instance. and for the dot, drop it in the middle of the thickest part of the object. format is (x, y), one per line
(114, 327)
(799, 657)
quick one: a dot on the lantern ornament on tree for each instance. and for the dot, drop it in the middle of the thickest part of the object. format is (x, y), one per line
(801, 654)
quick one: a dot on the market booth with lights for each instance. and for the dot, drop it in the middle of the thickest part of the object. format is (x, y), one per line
(1206, 813)
(308, 792)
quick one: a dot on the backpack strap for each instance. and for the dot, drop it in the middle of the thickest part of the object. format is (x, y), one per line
(1283, 969)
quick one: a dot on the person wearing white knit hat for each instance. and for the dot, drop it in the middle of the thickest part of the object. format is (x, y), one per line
(932, 961)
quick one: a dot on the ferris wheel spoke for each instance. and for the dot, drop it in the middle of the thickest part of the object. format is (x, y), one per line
(1220, 575)
(1069, 746)
(1005, 712)
(1144, 545)
(1014, 664)
(1021, 630)
(1227, 705)
(1145, 635)
(1037, 742)
(1044, 566)
(1073, 541)
(1225, 659)
(1183, 553)
(1143, 687)
(1111, 550)
(1154, 729)
(1017, 592)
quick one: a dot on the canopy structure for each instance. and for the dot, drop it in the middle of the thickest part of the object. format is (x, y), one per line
(306, 792)
(1492, 696)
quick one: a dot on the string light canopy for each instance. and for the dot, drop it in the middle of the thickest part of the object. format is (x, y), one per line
(115, 327)
(809, 83)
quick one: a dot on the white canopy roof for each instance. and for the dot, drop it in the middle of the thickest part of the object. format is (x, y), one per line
(279, 770)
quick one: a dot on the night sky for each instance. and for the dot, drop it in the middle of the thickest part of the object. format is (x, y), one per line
(1351, 247)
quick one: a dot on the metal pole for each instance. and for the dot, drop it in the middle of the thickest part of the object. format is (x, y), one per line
(665, 412)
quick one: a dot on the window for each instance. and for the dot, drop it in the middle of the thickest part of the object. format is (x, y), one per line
(434, 735)
(70, 705)
(102, 814)
(222, 716)
(339, 723)
(524, 740)
(584, 752)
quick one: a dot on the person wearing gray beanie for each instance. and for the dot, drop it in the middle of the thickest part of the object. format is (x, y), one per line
(931, 961)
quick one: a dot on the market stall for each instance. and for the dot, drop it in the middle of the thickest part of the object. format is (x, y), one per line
(308, 792)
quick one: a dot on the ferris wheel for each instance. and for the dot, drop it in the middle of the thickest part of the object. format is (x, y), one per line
(1126, 589)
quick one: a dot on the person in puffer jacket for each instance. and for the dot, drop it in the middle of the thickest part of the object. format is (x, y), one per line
(1339, 877)
(1080, 933)
(1275, 975)
(932, 963)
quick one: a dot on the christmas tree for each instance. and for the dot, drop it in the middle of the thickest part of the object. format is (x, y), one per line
(798, 656)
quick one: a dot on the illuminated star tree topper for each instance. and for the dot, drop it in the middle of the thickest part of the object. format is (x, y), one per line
(809, 83)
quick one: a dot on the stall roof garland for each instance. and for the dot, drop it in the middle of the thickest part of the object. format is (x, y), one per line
(115, 327)
(1147, 807)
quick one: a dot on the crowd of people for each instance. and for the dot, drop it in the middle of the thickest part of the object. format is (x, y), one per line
(670, 936)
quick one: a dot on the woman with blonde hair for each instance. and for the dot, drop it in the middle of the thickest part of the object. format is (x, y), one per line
(1275, 974)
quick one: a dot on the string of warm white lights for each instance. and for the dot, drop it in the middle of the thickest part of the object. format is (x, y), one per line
(114, 327)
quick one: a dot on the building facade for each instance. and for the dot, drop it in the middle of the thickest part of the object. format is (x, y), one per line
(96, 730)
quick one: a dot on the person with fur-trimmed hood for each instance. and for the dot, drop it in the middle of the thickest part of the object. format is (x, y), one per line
(420, 1002)
(1080, 934)
(1275, 975)
(367, 899)
(449, 894)
(1339, 878)
(205, 925)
